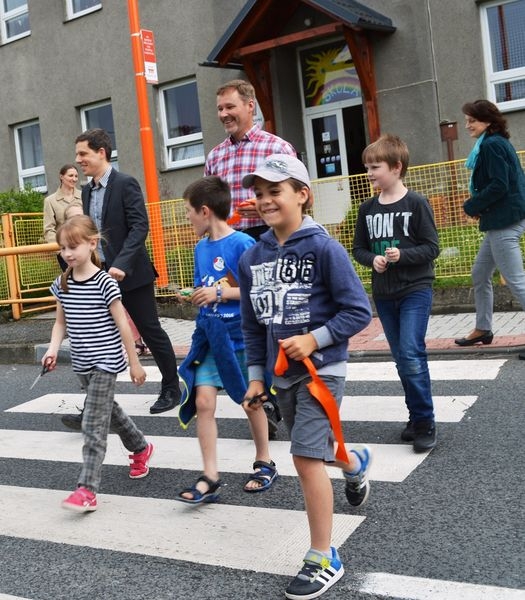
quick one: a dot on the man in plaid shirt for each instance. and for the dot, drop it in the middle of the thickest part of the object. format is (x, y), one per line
(246, 146)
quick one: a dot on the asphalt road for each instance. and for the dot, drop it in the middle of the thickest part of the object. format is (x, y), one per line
(457, 517)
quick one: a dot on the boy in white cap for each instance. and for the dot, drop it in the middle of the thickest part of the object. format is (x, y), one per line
(300, 295)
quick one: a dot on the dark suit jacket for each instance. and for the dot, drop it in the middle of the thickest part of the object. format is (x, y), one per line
(125, 227)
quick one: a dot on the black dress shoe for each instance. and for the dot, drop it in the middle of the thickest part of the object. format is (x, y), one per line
(73, 421)
(167, 400)
(485, 338)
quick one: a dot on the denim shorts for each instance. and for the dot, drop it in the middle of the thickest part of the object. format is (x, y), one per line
(207, 373)
(306, 420)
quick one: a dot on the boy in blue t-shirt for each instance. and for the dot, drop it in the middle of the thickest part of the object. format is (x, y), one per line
(216, 357)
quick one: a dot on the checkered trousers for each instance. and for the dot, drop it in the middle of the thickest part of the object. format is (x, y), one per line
(101, 411)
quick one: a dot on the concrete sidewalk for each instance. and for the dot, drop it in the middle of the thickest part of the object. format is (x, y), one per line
(509, 330)
(25, 341)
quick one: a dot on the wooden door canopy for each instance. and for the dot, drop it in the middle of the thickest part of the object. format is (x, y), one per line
(264, 25)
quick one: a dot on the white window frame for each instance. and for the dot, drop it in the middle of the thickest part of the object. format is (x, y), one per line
(493, 78)
(7, 16)
(24, 173)
(71, 13)
(84, 123)
(178, 142)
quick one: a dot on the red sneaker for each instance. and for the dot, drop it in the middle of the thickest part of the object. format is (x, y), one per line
(81, 500)
(139, 462)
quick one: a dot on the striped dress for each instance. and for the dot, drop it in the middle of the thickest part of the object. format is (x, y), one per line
(94, 338)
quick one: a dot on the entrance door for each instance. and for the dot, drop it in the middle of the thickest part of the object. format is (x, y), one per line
(336, 140)
(327, 144)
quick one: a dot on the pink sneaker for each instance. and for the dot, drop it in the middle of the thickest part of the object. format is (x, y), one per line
(139, 462)
(81, 500)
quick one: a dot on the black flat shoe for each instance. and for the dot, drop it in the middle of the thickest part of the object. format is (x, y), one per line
(167, 400)
(73, 421)
(484, 338)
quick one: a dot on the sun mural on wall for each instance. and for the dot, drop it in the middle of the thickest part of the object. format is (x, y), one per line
(329, 75)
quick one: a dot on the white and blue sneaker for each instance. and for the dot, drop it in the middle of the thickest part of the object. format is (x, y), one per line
(317, 575)
(357, 487)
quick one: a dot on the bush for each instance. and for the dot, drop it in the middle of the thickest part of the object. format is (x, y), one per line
(180, 266)
(21, 201)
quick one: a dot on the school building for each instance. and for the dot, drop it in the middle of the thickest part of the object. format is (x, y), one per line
(330, 76)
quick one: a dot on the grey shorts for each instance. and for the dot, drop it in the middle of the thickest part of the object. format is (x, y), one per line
(306, 420)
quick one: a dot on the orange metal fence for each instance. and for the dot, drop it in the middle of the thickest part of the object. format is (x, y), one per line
(25, 277)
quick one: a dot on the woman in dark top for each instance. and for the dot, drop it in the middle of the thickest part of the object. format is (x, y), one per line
(497, 188)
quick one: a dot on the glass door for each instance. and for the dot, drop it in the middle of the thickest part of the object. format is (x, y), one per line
(327, 144)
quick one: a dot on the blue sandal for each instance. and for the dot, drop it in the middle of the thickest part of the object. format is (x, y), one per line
(265, 476)
(211, 495)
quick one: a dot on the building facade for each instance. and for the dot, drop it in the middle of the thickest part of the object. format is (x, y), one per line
(330, 76)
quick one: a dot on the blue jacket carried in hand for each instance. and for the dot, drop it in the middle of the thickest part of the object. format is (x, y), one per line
(215, 336)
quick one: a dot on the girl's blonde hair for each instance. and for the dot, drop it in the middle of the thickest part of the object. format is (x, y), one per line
(74, 231)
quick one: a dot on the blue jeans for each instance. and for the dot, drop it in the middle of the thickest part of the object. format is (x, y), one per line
(405, 324)
(500, 248)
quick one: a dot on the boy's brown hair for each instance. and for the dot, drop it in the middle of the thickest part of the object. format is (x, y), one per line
(210, 191)
(390, 149)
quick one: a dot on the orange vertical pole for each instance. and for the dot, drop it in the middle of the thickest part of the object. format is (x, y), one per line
(148, 147)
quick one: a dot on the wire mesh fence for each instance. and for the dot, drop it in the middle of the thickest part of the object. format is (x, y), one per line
(335, 206)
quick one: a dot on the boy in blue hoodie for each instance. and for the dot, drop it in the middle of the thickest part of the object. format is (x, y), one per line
(301, 295)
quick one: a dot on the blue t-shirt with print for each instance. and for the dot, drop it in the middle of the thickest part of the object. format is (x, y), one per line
(216, 261)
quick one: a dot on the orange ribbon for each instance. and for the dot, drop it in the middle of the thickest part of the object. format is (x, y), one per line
(320, 392)
(235, 217)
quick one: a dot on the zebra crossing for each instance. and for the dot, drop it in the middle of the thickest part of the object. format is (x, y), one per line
(180, 532)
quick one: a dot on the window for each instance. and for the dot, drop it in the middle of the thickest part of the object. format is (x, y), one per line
(181, 125)
(15, 20)
(101, 115)
(503, 24)
(79, 8)
(29, 156)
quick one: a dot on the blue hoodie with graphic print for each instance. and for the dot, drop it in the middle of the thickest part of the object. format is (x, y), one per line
(308, 284)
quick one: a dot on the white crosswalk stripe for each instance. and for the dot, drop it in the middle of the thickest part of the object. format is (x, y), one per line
(418, 588)
(386, 371)
(440, 370)
(448, 409)
(35, 514)
(391, 463)
(169, 525)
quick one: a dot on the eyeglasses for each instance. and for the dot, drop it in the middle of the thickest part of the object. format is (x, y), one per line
(278, 165)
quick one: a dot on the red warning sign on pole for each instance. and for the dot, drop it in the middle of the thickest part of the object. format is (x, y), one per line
(150, 59)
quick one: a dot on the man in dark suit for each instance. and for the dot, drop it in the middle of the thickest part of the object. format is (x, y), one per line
(116, 203)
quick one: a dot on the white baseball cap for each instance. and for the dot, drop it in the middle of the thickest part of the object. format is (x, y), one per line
(278, 167)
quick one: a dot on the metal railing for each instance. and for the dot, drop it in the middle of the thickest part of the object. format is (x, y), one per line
(27, 267)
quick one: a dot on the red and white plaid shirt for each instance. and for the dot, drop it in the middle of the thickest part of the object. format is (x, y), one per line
(232, 160)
